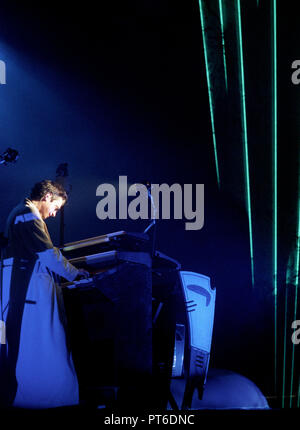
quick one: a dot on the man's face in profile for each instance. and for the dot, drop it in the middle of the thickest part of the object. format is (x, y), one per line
(50, 206)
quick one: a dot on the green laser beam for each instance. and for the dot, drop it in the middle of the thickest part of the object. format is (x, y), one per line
(274, 178)
(245, 138)
(298, 400)
(296, 287)
(284, 346)
(223, 41)
(210, 98)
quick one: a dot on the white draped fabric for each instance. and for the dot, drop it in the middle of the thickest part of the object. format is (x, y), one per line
(38, 354)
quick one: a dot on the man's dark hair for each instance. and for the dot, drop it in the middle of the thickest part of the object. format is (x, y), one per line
(40, 189)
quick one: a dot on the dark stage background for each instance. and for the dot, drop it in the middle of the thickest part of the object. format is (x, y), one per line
(121, 89)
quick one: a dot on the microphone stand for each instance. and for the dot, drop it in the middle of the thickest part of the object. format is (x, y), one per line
(61, 174)
(153, 222)
(8, 156)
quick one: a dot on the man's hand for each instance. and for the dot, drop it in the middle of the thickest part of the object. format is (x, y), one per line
(83, 274)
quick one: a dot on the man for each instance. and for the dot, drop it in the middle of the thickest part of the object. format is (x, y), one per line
(36, 366)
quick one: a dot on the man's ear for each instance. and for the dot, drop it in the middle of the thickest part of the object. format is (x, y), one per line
(47, 197)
